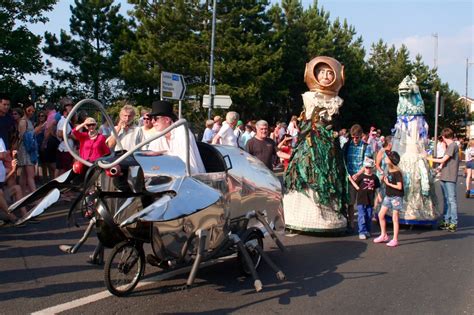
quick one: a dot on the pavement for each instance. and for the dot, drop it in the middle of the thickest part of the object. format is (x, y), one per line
(431, 272)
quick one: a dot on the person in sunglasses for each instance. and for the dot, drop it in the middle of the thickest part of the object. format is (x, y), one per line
(91, 143)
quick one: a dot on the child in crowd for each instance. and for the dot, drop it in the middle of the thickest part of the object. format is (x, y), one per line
(469, 166)
(393, 199)
(367, 185)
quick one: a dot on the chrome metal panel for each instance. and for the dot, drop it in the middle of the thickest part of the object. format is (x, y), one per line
(51, 198)
(252, 186)
(191, 196)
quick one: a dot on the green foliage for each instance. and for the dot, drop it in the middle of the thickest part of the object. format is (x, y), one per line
(20, 52)
(92, 49)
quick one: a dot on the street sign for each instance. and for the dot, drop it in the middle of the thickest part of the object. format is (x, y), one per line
(172, 86)
(220, 101)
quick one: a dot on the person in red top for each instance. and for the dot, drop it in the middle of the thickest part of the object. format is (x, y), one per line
(91, 143)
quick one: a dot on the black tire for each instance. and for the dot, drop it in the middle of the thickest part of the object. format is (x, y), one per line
(251, 236)
(124, 268)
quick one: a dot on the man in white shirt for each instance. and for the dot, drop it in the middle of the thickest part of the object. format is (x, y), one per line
(129, 134)
(64, 158)
(208, 133)
(173, 143)
(226, 134)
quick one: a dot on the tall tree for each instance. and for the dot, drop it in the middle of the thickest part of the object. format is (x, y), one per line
(19, 47)
(92, 49)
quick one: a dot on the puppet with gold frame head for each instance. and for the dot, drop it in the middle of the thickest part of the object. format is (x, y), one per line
(316, 182)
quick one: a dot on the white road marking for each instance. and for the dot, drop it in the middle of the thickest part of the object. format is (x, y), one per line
(105, 294)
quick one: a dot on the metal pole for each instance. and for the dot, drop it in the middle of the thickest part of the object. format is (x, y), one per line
(211, 66)
(436, 125)
(467, 102)
(435, 61)
(179, 109)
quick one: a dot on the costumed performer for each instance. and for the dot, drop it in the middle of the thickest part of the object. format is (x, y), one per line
(316, 186)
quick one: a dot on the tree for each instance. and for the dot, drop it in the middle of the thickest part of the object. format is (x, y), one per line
(93, 49)
(19, 47)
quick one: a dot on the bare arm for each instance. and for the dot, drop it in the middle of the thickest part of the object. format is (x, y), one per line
(378, 161)
(353, 182)
(397, 186)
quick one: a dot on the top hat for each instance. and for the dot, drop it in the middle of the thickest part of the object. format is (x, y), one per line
(163, 108)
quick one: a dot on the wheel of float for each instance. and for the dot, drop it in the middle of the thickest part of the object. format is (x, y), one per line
(250, 238)
(124, 268)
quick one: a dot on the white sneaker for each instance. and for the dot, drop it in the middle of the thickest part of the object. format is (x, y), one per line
(362, 237)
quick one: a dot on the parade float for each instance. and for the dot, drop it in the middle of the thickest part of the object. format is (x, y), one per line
(410, 139)
(316, 186)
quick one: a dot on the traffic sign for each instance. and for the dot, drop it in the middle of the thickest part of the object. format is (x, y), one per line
(220, 101)
(172, 86)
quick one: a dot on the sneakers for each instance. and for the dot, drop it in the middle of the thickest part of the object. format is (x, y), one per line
(468, 193)
(443, 225)
(362, 236)
(381, 239)
(452, 227)
(392, 243)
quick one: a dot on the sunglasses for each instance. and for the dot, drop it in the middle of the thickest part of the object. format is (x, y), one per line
(90, 125)
(146, 118)
(355, 137)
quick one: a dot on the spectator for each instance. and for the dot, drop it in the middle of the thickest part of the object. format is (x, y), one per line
(247, 135)
(3, 204)
(448, 178)
(285, 148)
(208, 133)
(275, 134)
(380, 164)
(27, 150)
(40, 128)
(17, 113)
(293, 129)
(50, 142)
(105, 129)
(366, 185)
(226, 134)
(355, 151)
(148, 130)
(281, 132)
(64, 159)
(262, 147)
(129, 134)
(6, 120)
(393, 199)
(238, 132)
(469, 153)
(217, 124)
(91, 143)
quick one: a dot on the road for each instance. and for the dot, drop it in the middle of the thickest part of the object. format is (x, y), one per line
(431, 272)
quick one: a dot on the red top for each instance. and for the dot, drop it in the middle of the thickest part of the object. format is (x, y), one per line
(286, 149)
(91, 149)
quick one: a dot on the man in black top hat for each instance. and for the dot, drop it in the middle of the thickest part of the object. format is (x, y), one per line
(173, 142)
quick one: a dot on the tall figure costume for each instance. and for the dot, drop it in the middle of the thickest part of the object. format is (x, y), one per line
(410, 138)
(315, 181)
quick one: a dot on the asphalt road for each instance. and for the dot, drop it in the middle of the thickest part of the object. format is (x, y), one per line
(431, 272)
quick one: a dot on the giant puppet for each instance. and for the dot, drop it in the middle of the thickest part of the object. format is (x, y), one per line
(315, 181)
(410, 139)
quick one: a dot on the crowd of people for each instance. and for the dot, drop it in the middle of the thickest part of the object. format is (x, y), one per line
(33, 151)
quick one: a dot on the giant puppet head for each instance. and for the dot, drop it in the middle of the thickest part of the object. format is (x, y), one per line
(330, 78)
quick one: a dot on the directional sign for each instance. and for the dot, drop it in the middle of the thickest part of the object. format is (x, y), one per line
(172, 86)
(220, 101)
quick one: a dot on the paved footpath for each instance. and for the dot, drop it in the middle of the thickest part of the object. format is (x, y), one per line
(431, 272)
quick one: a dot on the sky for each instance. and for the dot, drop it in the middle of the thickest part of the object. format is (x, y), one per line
(409, 22)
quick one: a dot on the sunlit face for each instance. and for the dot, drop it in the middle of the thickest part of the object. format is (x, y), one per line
(4, 106)
(161, 122)
(30, 110)
(127, 116)
(262, 131)
(147, 121)
(324, 74)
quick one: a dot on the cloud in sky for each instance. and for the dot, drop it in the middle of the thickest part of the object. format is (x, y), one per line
(453, 49)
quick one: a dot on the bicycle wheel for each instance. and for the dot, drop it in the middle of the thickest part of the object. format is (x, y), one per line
(251, 238)
(124, 268)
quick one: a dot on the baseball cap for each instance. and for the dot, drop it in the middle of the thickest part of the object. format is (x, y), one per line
(368, 162)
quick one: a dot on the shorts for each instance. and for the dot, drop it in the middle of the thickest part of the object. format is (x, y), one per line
(2, 184)
(64, 160)
(470, 164)
(393, 202)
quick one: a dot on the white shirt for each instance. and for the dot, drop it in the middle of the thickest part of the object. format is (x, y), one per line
(62, 146)
(208, 135)
(227, 135)
(129, 138)
(2, 167)
(176, 147)
(469, 154)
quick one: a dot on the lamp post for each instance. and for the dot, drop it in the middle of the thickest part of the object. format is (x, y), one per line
(212, 88)
(467, 91)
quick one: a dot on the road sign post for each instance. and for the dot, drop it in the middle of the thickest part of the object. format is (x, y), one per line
(173, 87)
